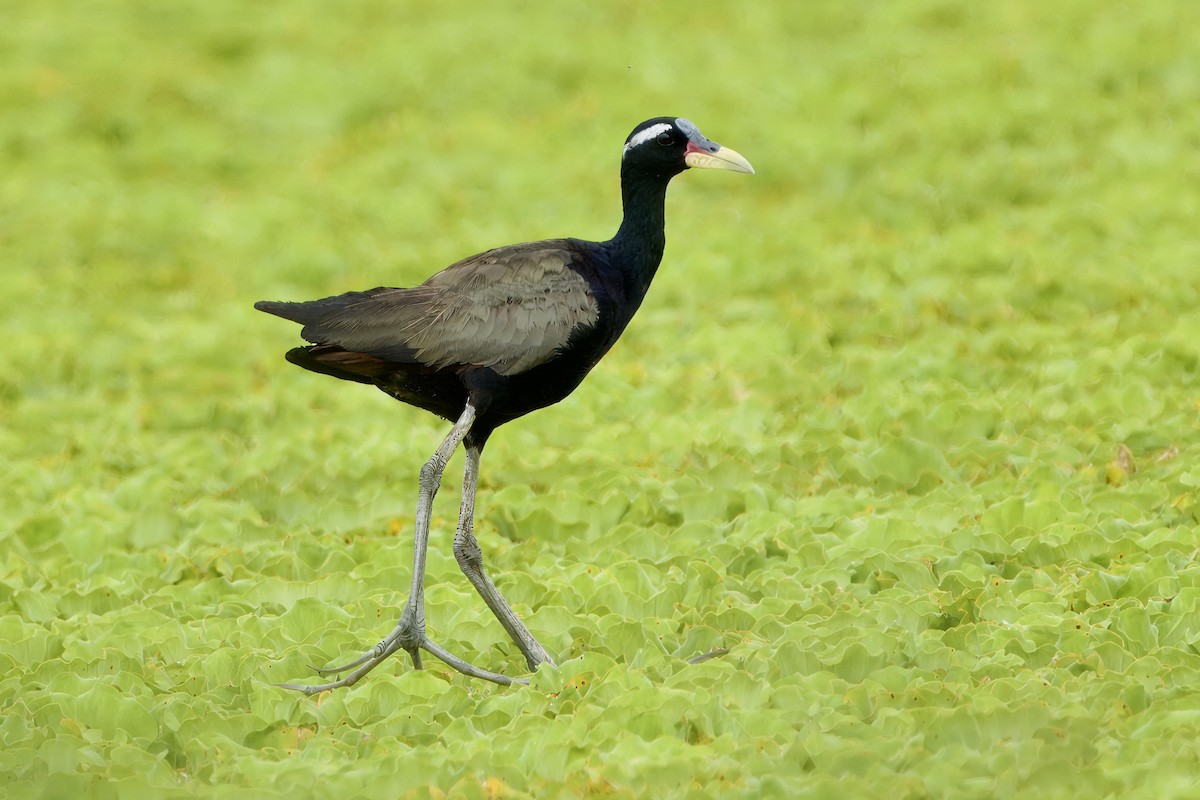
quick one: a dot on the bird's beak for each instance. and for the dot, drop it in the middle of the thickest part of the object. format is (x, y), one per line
(721, 158)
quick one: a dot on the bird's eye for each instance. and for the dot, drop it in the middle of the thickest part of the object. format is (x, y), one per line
(665, 139)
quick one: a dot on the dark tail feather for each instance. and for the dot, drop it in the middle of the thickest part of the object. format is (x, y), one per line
(296, 312)
(312, 311)
(344, 364)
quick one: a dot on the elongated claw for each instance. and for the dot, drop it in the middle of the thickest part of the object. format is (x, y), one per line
(468, 669)
(700, 659)
(349, 680)
(364, 658)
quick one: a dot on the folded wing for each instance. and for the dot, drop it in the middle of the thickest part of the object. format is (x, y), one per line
(509, 309)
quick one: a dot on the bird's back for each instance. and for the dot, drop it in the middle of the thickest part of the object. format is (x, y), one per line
(508, 309)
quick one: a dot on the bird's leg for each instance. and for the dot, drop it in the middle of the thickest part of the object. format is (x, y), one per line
(470, 559)
(409, 633)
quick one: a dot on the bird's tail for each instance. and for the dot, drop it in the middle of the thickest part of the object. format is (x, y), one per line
(304, 313)
(311, 312)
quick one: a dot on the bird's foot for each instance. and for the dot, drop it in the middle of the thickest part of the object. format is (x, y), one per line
(408, 635)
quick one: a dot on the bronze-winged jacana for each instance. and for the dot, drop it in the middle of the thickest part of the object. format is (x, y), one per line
(491, 338)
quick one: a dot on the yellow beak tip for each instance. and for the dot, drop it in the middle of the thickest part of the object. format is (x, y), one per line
(724, 158)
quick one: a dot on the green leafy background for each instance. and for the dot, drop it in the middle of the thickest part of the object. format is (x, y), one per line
(908, 422)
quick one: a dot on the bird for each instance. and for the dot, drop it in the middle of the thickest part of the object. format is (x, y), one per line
(490, 339)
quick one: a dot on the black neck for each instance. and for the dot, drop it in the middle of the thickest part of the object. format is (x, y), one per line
(642, 235)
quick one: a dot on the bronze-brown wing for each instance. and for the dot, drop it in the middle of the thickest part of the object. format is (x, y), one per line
(509, 309)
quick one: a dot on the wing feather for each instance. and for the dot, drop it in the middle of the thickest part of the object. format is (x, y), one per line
(509, 309)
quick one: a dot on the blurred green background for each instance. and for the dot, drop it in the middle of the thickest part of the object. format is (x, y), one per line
(908, 421)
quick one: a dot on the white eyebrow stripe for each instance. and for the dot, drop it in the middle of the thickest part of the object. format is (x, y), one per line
(645, 136)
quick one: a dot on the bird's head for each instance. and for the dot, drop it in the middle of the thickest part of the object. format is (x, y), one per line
(669, 145)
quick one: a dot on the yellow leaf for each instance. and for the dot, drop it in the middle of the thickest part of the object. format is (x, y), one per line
(1121, 467)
